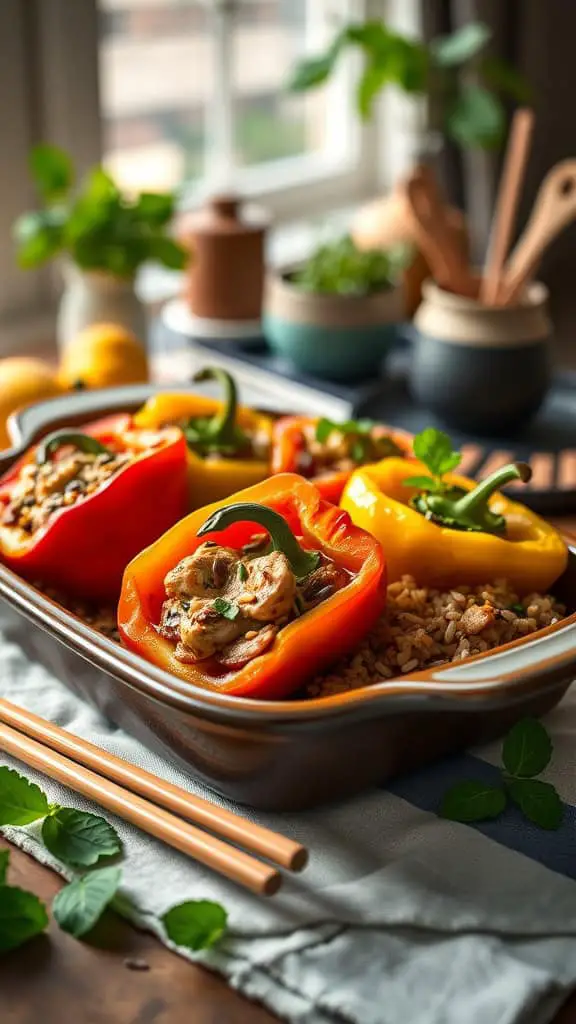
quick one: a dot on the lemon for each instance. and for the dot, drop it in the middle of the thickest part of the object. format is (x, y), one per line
(103, 356)
(23, 381)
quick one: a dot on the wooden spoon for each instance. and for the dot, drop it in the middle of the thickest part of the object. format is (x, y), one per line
(435, 235)
(553, 210)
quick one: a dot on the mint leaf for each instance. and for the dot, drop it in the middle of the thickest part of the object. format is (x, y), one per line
(52, 170)
(79, 838)
(79, 905)
(324, 428)
(539, 801)
(423, 483)
(226, 608)
(476, 118)
(434, 448)
(21, 802)
(473, 801)
(460, 46)
(527, 748)
(196, 924)
(4, 859)
(22, 916)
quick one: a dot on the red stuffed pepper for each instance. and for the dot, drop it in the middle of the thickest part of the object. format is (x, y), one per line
(328, 452)
(254, 595)
(78, 506)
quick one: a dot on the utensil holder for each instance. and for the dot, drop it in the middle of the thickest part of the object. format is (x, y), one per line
(481, 369)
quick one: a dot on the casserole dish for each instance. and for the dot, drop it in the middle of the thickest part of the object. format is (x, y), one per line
(287, 755)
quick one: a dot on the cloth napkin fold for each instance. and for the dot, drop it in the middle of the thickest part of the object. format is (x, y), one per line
(400, 916)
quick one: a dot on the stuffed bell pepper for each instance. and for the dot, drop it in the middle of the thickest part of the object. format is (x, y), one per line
(228, 445)
(255, 595)
(444, 529)
(328, 452)
(79, 505)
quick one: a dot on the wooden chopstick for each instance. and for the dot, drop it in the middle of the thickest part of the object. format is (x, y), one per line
(256, 838)
(203, 847)
(507, 203)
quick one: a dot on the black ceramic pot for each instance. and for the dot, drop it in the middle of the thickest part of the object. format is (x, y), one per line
(484, 370)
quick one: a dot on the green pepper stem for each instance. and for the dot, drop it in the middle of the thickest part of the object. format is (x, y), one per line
(465, 507)
(75, 438)
(223, 425)
(302, 562)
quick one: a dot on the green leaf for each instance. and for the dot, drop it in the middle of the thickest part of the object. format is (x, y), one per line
(324, 428)
(461, 45)
(21, 802)
(473, 801)
(38, 236)
(539, 801)
(155, 208)
(312, 71)
(167, 252)
(79, 905)
(226, 608)
(423, 483)
(503, 78)
(476, 118)
(371, 81)
(527, 748)
(79, 838)
(434, 448)
(4, 859)
(242, 572)
(52, 170)
(196, 924)
(22, 916)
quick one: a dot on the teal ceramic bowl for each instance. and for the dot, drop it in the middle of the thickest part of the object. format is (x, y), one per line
(338, 337)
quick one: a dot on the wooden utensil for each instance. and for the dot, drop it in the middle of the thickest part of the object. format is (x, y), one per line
(507, 203)
(263, 841)
(553, 210)
(434, 234)
(203, 847)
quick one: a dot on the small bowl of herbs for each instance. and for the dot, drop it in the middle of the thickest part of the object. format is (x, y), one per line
(336, 315)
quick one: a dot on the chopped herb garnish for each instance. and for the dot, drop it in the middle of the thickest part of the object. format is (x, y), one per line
(242, 572)
(518, 608)
(226, 608)
(325, 427)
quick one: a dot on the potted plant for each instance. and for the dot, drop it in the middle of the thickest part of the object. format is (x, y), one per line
(336, 314)
(103, 237)
(458, 91)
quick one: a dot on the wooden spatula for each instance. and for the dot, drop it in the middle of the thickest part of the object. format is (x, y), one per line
(553, 210)
(435, 235)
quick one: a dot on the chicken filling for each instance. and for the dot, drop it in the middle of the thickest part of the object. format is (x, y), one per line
(228, 605)
(41, 490)
(342, 450)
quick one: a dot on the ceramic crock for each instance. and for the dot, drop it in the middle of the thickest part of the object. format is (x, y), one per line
(481, 369)
(93, 296)
(339, 337)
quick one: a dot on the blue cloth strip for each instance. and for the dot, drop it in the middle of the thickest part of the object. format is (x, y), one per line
(426, 787)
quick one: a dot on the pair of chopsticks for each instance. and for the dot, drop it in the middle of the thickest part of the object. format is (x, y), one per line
(153, 805)
(513, 173)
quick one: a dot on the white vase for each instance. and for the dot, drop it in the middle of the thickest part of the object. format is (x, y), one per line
(94, 296)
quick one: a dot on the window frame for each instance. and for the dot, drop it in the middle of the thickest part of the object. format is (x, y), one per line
(54, 92)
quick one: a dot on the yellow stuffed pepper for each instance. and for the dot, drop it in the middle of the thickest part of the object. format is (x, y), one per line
(228, 446)
(446, 530)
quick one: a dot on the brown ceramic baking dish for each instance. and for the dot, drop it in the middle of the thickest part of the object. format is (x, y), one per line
(287, 754)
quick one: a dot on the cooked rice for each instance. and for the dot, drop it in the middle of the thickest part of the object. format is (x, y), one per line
(422, 627)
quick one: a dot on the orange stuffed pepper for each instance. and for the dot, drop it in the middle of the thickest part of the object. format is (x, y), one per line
(253, 597)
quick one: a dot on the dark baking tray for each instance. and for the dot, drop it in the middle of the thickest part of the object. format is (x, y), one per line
(285, 755)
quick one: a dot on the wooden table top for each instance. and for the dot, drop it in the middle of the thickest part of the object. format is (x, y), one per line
(57, 979)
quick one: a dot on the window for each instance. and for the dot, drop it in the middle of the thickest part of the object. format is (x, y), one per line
(194, 91)
(172, 91)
